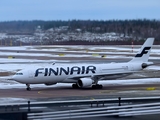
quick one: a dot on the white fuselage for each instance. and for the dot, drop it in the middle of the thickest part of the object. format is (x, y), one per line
(70, 73)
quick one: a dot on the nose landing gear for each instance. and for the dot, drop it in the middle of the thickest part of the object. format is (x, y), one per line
(28, 87)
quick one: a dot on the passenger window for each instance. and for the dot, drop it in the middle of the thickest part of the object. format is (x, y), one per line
(19, 73)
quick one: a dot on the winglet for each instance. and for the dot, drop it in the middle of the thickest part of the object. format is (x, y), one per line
(144, 52)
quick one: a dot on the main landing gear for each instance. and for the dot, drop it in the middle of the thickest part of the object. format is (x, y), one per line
(75, 86)
(97, 86)
(28, 87)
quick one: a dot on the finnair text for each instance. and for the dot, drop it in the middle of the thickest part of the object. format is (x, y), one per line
(65, 70)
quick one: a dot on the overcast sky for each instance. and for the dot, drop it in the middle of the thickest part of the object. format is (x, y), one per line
(78, 9)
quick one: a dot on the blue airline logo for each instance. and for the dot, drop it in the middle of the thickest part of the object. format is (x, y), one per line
(144, 51)
(67, 71)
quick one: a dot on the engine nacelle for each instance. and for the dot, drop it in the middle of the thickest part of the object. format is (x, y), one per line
(85, 82)
(47, 84)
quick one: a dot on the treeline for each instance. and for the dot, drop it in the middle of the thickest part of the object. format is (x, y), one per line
(138, 28)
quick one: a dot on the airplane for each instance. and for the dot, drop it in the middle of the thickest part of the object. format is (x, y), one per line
(84, 74)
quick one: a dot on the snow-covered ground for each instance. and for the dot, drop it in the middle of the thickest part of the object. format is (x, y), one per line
(114, 52)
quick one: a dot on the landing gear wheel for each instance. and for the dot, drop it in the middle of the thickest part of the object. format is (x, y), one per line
(75, 86)
(100, 86)
(28, 87)
(97, 86)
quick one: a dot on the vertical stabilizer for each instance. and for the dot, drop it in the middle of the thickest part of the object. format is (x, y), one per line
(144, 52)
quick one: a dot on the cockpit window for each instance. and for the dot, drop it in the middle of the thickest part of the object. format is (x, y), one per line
(19, 73)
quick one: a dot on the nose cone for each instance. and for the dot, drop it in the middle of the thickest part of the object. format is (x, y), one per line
(18, 77)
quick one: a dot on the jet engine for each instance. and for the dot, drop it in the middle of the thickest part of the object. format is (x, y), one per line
(85, 82)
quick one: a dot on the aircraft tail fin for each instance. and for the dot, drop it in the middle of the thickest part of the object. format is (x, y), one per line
(144, 52)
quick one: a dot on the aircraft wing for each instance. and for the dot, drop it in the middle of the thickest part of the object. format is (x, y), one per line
(104, 75)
